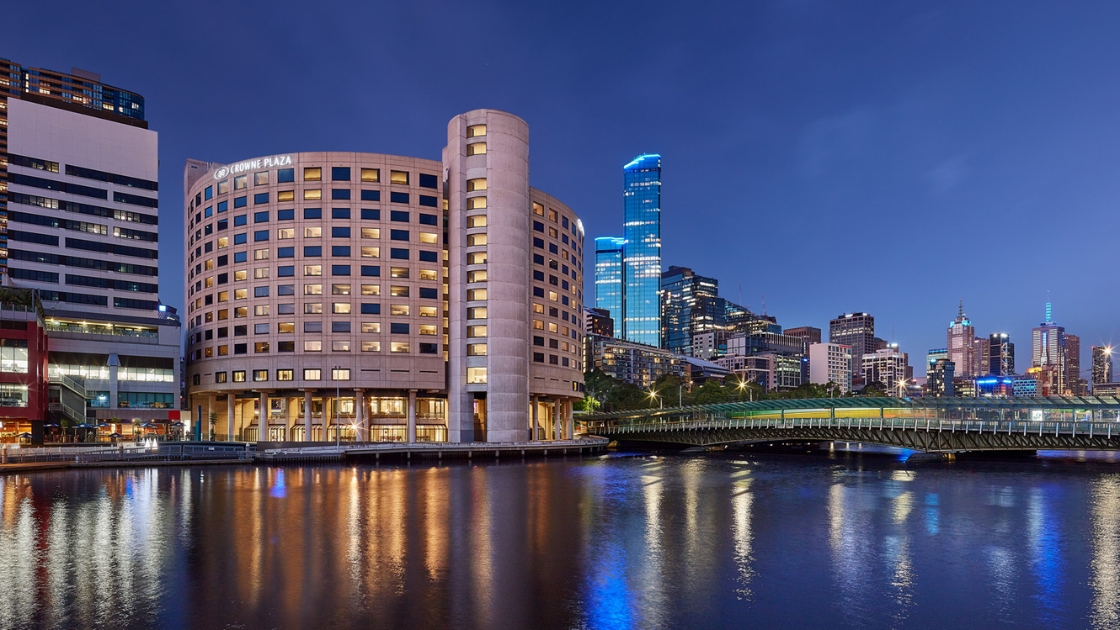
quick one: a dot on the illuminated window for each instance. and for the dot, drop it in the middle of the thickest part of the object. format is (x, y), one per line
(312, 194)
(476, 148)
(223, 187)
(474, 131)
(476, 184)
(240, 294)
(312, 289)
(371, 327)
(476, 375)
(285, 233)
(474, 295)
(476, 349)
(477, 312)
(371, 289)
(429, 274)
(240, 182)
(476, 203)
(538, 209)
(223, 242)
(285, 375)
(260, 273)
(241, 274)
(552, 296)
(398, 177)
(260, 254)
(398, 272)
(476, 258)
(371, 252)
(312, 270)
(340, 308)
(313, 308)
(476, 240)
(312, 174)
(476, 221)
(240, 311)
(340, 289)
(428, 329)
(260, 179)
(476, 331)
(428, 311)
(286, 327)
(552, 327)
(286, 195)
(398, 291)
(371, 232)
(371, 346)
(239, 376)
(261, 347)
(312, 345)
(371, 175)
(261, 310)
(538, 308)
(399, 347)
(538, 324)
(476, 276)
(398, 309)
(260, 375)
(429, 237)
(340, 345)
(312, 374)
(312, 232)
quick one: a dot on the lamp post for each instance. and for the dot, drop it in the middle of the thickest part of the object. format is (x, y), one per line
(653, 396)
(901, 386)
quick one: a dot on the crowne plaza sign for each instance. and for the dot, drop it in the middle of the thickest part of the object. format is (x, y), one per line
(252, 165)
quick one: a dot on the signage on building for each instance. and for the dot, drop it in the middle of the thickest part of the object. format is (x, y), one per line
(250, 165)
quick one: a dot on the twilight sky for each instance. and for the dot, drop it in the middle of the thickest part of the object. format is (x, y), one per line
(888, 157)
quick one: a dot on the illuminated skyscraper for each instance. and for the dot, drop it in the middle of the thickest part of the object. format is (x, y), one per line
(1102, 364)
(1001, 355)
(961, 344)
(857, 331)
(641, 254)
(1048, 356)
(1074, 383)
(608, 278)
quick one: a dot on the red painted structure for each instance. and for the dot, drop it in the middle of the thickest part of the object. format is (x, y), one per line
(24, 382)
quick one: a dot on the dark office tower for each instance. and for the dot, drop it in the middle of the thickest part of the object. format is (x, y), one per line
(1001, 355)
(641, 256)
(1102, 364)
(856, 330)
(597, 321)
(1074, 383)
(691, 306)
(939, 378)
(808, 333)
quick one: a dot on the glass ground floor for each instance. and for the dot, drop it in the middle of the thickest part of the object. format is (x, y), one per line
(354, 415)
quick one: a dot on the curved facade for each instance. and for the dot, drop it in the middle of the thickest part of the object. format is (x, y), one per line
(343, 292)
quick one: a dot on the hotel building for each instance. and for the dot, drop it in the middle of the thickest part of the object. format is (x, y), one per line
(387, 298)
(79, 167)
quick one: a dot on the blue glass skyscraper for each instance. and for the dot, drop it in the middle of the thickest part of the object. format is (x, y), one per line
(608, 277)
(641, 255)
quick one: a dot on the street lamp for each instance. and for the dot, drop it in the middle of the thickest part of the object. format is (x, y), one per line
(653, 396)
(901, 385)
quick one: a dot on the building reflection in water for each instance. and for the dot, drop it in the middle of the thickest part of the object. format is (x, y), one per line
(595, 543)
(1105, 564)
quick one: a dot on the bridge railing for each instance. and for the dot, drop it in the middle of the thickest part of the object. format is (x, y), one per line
(1057, 428)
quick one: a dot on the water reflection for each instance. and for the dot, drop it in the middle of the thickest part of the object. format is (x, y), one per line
(617, 542)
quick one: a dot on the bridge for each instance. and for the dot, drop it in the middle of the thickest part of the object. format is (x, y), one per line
(932, 425)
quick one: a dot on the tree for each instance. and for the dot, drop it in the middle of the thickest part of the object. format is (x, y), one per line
(711, 392)
(874, 389)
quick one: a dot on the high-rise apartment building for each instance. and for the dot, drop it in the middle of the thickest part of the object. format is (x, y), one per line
(940, 373)
(1000, 355)
(641, 256)
(857, 331)
(831, 363)
(335, 295)
(1048, 356)
(608, 278)
(888, 366)
(80, 168)
(960, 340)
(1102, 364)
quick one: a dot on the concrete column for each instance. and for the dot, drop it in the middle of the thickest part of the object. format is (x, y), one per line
(411, 416)
(360, 415)
(307, 415)
(535, 418)
(328, 417)
(556, 420)
(262, 418)
(114, 366)
(569, 419)
(230, 417)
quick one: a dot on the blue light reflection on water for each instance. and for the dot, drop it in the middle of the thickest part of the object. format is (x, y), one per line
(598, 543)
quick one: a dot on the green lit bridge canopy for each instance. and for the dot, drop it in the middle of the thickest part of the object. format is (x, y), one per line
(868, 407)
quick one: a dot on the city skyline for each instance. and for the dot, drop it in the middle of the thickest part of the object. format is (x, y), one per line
(793, 151)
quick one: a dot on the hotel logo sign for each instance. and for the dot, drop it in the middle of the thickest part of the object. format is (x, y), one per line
(252, 165)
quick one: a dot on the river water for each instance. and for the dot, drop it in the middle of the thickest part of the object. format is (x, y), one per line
(727, 540)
